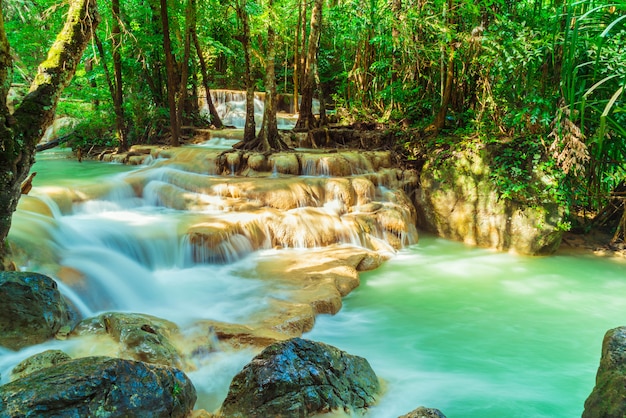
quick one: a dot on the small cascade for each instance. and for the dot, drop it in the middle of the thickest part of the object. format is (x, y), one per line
(231, 108)
(184, 237)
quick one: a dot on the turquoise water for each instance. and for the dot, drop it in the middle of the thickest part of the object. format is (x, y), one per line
(472, 332)
(59, 167)
(482, 334)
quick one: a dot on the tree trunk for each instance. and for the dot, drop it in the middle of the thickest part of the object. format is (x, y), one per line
(297, 54)
(249, 131)
(306, 119)
(171, 77)
(269, 138)
(152, 60)
(107, 75)
(215, 118)
(302, 26)
(21, 131)
(396, 9)
(323, 121)
(118, 97)
(440, 119)
(190, 22)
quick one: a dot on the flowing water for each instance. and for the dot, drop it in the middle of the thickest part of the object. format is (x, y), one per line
(472, 332)
(482, 334)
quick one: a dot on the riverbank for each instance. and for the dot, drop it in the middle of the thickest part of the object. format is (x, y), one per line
(595, 242)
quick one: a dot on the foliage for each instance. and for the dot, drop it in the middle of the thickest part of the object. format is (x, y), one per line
(522, 171)
(549, 74)
(593, 79)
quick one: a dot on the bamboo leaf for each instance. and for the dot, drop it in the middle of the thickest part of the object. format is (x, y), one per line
(612, 25)
(612, 101)
(598, 84)
(602, 128)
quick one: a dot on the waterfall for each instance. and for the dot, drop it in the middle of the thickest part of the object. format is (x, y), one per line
(231, 107)
(185, 238)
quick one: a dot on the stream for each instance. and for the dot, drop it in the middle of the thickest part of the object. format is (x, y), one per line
(472, 332)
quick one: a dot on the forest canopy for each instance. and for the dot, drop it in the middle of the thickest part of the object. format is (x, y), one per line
(544, 77)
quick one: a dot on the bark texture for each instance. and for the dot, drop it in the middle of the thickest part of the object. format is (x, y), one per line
(21, 131)
(306, 119)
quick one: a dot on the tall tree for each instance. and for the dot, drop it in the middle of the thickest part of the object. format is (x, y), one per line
(190, 22)
(269, 137)
(306, 119)
(298, 55)
(118, 97)
(21, 130)
(249, 131)
(215, 117)
(171, 77)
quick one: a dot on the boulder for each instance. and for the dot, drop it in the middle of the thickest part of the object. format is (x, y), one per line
(608, 398)
(457, 200)
(32, 309)
(423, 412)
(141, 337)
(39, 361)
(301, 378)
(99, 387)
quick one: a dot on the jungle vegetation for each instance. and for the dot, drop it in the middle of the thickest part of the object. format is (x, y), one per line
(544, 79)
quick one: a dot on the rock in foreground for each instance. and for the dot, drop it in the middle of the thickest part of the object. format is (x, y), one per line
(423, 412)
(32, 309)
(608, 398)
(301, 378)
(99, 387)
(140, 337)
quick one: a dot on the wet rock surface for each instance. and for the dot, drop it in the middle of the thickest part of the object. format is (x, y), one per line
(99, 387)
(141, 337)
(301, 378)
(457, 200)
(423, 412)
(608, 398)
(32, 309)
(39, 361)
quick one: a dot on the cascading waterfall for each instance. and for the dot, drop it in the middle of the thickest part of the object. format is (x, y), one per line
(472, 332)
(178, 240)
(231, 108)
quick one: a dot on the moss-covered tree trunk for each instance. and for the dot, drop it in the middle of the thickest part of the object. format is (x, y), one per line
(21, 131)
(306, 119)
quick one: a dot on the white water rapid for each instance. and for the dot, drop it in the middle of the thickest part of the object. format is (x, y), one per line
(472, 332)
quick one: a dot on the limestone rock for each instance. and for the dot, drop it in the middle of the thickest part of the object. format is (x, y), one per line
(301, 378)
(235, 335)
(32, 309)
(39, 361)
(99, 387)
(423, 412)
(457, 200)
(608, 398)
(140, 337)
(285, 163)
